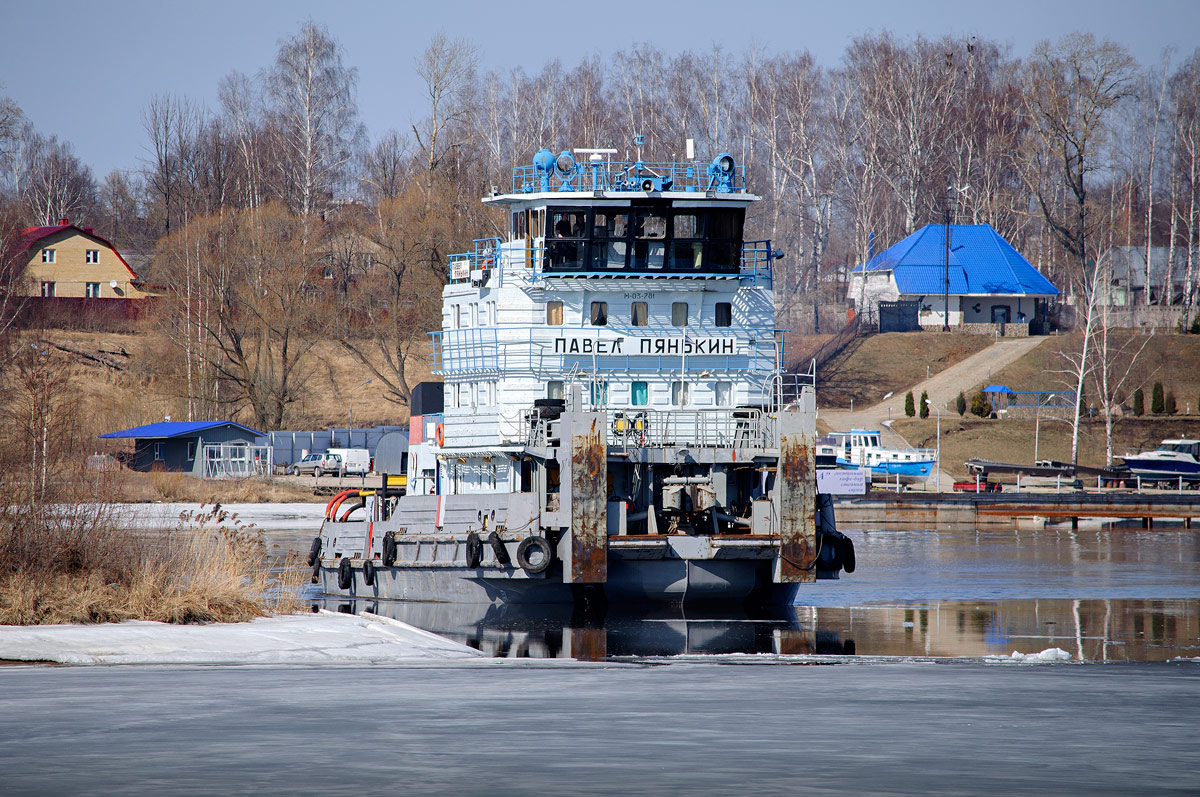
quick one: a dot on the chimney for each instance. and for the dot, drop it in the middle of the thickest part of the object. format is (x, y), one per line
(64, 221)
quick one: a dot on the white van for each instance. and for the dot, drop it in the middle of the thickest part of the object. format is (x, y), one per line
(354, 461)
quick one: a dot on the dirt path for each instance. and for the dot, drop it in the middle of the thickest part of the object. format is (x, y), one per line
(943, 388)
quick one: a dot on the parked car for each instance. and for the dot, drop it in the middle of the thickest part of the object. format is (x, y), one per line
(356, 461)
(317, 464)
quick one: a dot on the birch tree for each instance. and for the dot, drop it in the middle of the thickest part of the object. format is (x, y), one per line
(315, 115)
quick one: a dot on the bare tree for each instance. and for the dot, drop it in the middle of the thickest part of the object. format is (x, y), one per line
(447, 69)
(53, 182)
(316, 117)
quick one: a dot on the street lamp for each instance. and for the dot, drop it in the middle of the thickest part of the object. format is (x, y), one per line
(350, 395)
(929, 404)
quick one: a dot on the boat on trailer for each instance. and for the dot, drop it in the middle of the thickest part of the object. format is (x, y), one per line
(613, 423)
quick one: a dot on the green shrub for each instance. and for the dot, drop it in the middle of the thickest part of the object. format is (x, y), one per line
(980, 406)
(1139, 402)
(960, 404)
(1158, 401)
(1195, 327)
(924, 404)
(909, 409)
(1171, 405)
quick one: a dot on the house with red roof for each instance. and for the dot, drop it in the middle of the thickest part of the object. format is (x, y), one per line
(64, 260)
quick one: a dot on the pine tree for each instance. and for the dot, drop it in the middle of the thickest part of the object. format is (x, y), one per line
(924, 404)
(960, 404)
(1158, 402)
(1139, 402)
(909, 409)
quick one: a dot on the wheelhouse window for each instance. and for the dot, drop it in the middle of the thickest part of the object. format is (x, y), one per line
(599, 314)
(554, 389)
(47, 255)
(724, 314)
(644, 237)
(91, 256)
(599, 394)
(554, 314)
(92, 290)
(679, 394)
(639, 394)
(639, 315)
(566, 240)
(723, 393)
(679, 314)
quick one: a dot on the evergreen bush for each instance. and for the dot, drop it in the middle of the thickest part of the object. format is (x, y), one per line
(1171, 405)
(960, 404)
(924, 404)
(979, 405)
(1139, 402)
(909, 409)
(1158, 401)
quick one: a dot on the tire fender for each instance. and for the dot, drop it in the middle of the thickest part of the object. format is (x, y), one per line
(528, 545)
(389, 550)
(502, 557)
(846, 549)
(314, 552)
(345, 573)
(474, 550)
(369, 573)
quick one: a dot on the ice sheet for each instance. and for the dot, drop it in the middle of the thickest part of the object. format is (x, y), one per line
(322, 638)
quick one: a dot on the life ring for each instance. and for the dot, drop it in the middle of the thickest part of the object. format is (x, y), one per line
(345, 573)
(499, 550)
(846, 549)
(314, 553)
(439, 435)
(527, 545)
(369, 573)
(389, 550)
(474, 550)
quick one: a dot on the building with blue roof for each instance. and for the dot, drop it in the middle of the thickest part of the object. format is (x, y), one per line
(208, 449)
(991, 283)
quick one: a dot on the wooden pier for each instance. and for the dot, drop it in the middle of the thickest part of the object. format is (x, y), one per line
(934, 509)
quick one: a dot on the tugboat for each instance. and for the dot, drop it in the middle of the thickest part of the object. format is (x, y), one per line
(614, 422)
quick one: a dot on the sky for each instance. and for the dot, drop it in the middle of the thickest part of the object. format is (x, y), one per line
(113, 57)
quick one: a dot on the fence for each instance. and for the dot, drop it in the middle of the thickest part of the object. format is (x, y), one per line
(291, 446)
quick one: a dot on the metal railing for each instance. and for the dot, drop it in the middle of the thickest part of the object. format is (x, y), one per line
(742, 429)
(627, 176)
(548, 350)
(515, 263)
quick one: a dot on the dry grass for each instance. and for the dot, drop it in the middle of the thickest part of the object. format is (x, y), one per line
(76, 565)
(134, 487)
(874, 365)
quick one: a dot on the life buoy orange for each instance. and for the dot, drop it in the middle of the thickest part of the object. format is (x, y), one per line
(439, 435)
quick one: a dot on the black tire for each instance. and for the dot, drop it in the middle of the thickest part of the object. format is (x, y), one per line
(318, 473)
(389, 550)
(314, 552)
(502, 557)
(316, 573)
(474, 550)
(846, 549)
(295, 471)
(527, 546)
(369, 573)
(345, 573)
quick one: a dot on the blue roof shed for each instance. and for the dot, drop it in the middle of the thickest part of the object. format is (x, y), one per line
(174, 445)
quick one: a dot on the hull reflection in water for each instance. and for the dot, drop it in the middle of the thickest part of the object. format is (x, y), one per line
(1090, 630)
(551, 631)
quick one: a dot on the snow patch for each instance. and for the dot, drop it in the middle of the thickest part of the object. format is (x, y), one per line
(323, 638)
(1049, 654)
